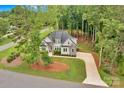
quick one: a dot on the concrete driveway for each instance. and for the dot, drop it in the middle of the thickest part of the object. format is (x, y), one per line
(92, 73)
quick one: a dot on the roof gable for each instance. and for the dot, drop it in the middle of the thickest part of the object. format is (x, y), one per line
(61, 35)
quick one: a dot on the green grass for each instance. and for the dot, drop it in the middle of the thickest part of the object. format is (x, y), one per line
(108, 79)
(6, 52)
(76, 72)
(121, 82)
(84, 47)
(5, 41)
(105, 77)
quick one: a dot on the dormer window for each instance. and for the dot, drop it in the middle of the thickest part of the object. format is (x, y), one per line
(57, 41)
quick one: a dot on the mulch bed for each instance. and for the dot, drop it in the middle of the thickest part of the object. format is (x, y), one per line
(54, 67)
(14, 63)
(96, 58)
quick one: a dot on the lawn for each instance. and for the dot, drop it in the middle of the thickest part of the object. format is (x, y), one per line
(84, 47)
(108, 79)
(105, 77)
(5, 41)
(76, 72)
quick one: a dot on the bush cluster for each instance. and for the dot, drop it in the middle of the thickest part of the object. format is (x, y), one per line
(12, 56)
(57, 52)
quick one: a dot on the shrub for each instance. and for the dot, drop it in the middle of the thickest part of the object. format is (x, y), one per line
(78, 49)
(46, 59)
(57, 52)
(107, 68)
(17, 54)
(12, 56)
(121, 66)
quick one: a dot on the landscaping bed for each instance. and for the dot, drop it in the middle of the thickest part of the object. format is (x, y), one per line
(54, 67)
(16, 62)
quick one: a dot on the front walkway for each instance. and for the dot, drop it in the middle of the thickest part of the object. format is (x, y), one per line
(93, 77)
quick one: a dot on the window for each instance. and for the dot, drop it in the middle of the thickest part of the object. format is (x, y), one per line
(65, 49)
(72, 50)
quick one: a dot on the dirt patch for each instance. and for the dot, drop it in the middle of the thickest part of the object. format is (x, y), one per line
(84, 39)
(54, 67)
(96, 58)
(14, 63)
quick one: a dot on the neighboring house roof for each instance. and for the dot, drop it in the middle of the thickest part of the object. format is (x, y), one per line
(47, 39)
(61, 35)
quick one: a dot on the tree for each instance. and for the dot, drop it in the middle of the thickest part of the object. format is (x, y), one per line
(31, 48)
(108, 42)
(4, 26)
(46, 59)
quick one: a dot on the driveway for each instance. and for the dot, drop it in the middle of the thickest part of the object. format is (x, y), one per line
(92, 74)
(6, 46)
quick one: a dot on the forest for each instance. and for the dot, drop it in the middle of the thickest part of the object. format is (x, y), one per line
(101, 26)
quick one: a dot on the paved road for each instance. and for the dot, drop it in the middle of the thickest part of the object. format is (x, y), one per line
(6, 46)
(93, 77)
(17, 80)
(10, 79)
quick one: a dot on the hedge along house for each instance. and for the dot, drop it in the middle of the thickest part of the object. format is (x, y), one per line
(60, 41)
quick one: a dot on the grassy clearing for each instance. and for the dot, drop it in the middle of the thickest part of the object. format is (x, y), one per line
(5, 41)
(76, 72)
(85, 47)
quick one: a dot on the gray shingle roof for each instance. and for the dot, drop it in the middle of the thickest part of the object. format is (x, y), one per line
(61, 35)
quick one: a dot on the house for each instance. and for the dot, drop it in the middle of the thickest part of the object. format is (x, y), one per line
(60, 41)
